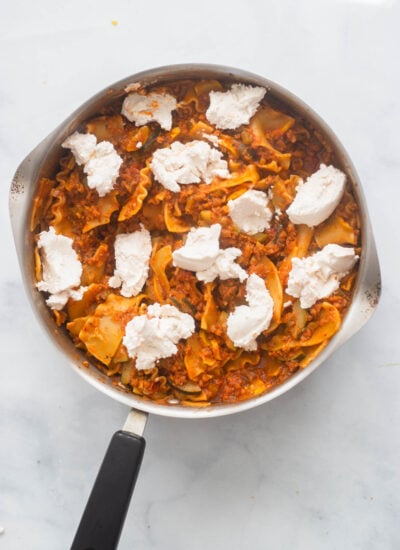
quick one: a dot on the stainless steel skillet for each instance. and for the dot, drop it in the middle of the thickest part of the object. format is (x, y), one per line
(105, 512)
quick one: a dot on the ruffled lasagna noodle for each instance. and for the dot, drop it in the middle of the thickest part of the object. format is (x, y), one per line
(271, 154)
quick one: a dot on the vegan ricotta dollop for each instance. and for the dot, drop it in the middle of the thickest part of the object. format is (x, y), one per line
(229, 110)
(185, 163)
(101, 161)
(317, 197)
(247, 322)
(250, 212)
(141, 109)
(319, 275)
(154, 335)
(132, 256)
(202, 253)
(61, 269)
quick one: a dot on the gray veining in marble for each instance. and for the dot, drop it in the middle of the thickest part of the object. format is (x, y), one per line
(316, 469)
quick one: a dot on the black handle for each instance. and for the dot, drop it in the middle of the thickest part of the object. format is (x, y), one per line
(105, 512)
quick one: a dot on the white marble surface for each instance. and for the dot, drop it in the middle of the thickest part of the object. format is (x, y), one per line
(316, 469)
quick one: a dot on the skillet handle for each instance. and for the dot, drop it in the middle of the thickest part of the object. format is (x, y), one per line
(105, 512)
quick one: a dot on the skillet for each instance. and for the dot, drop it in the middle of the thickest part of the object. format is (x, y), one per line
(105, 512)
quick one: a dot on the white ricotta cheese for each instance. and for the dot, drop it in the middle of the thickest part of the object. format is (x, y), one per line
(58, 301)
(101, 161)
(142, 109)
(317, 197)
(231, 109)
(245, 323)
(200, 250)
(154, 336)
(201, 253)
(211, 138)
(250, 212)
(102, 168)
(319, 275)
(224, 267)
(61, 269)
(82, 146)
(132, 257)
(133, 87)
(186, 163)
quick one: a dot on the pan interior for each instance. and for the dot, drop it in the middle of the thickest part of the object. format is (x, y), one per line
(42, 162)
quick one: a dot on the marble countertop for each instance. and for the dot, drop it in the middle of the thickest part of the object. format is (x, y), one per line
(316, 469)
